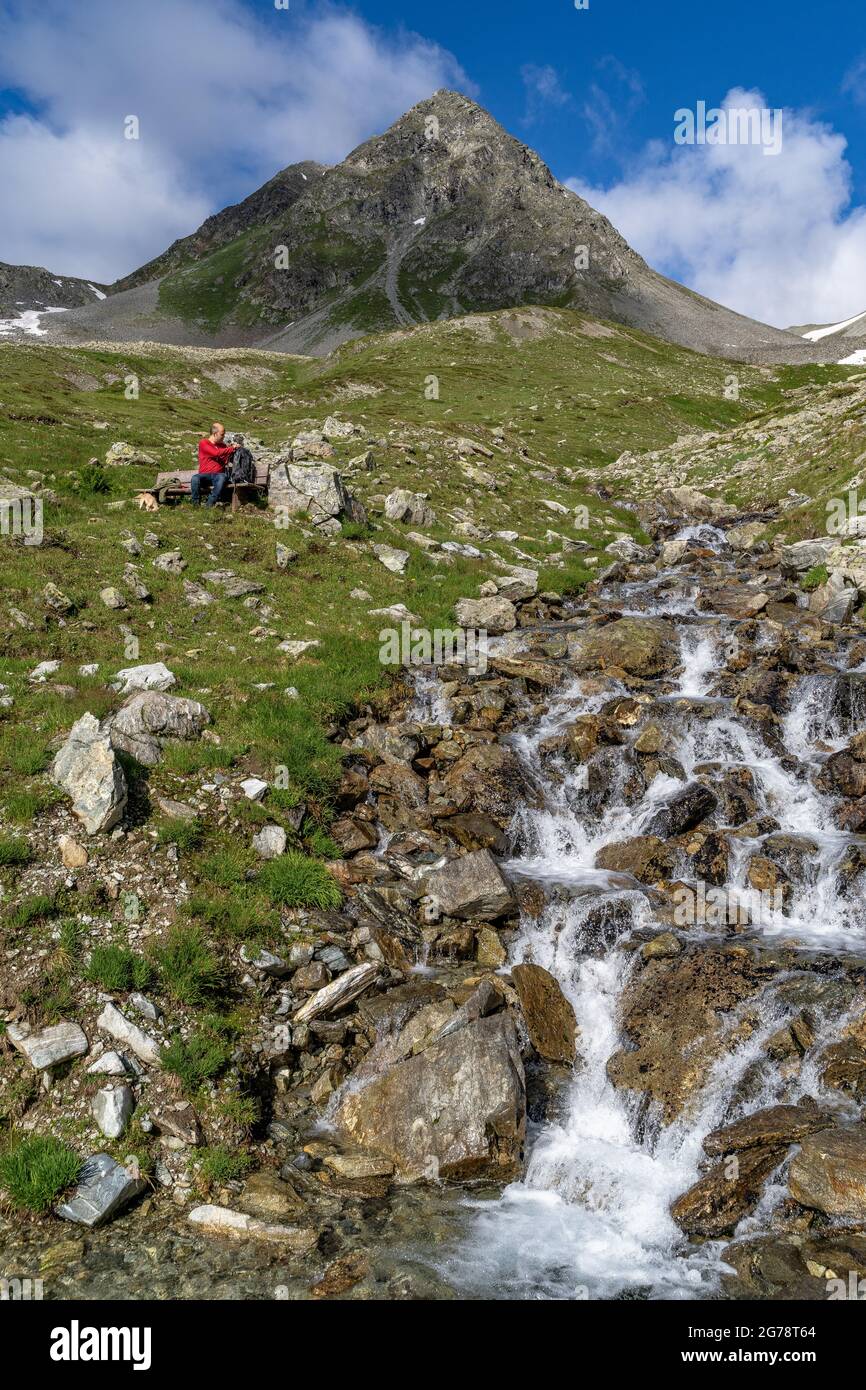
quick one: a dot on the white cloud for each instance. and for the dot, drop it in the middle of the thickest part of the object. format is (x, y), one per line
(774, 237)
(543, 89)
(223, 102)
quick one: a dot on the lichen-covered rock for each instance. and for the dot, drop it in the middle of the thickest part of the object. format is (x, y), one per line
(494, 615)
(315, 490)
(402, 505)
(149, 718)
(87, 769)
(643, 647)
(455, 1110)
(829, 1172)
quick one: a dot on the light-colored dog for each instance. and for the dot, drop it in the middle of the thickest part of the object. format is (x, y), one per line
(147, 502)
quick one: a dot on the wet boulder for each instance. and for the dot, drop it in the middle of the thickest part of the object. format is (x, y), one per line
(457, 1109)
(646, 857)
(678, 1019)
(844, 775)
(470, 887)
(719, 1200)
(487, 778)
(549, 1016)
(775, 1126)
(644, 647)
(843, 1068)
(683, 811)
(829, 1173)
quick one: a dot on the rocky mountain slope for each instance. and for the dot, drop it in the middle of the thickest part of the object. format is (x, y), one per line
(30, 287)
(443, 214)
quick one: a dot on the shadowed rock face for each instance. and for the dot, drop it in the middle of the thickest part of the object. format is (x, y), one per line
(443, 214)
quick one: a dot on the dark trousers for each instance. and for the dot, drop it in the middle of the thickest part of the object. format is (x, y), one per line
(211, 482)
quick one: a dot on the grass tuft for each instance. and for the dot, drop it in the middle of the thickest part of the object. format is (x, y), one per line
(35, 1170)
(295, 880)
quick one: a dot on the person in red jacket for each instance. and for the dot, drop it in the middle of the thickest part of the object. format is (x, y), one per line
(213, 456)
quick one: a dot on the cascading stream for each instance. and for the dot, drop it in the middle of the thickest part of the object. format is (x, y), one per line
(591, 1216)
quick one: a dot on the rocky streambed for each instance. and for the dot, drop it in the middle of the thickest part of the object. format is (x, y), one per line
(592, 1021)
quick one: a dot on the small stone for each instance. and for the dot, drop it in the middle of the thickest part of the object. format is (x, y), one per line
(270, 842)
(40, 673)
(254, 788)
(393, 559)
(155, 676)
(224, 1222)
(264, 961)
(110, 1064)
(112, 598)
(112, 1021)
(146, 1007)
(112, 1109)
(73, 854)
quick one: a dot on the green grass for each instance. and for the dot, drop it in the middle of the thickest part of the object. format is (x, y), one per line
(239, 913)
(202, 1056)
(189, 970)
(14, 851)
(36, 907)
(294, 880)
(217, 1165)
(115, 968)
(21, 805)
(36, 1170)
(814, 578)
(208, 292)
(186, 834)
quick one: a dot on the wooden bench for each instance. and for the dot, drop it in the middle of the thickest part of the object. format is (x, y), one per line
(176, 484)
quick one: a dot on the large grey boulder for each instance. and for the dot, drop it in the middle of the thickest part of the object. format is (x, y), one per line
(315, 490)
(149, 718)
(492, 615)
(402, 505)
(47, 1047)
(104, 1188)
(472, 886)
(87, 769)
(833, 601)
(456, 1110)
(689, 502)
(805, 555)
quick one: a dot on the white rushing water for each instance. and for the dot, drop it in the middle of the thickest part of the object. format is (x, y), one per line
(591, 1218)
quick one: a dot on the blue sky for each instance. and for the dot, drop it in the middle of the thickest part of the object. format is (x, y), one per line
(228, 91)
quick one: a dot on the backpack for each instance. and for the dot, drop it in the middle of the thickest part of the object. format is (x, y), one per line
(241, 468)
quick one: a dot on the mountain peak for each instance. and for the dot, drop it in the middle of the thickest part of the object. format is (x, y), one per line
(443, 214)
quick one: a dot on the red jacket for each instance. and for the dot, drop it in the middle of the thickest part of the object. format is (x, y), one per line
(212, 457)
